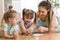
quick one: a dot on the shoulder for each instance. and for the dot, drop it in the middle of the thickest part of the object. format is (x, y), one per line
(53, 16)
(16, 25)
(5, 24)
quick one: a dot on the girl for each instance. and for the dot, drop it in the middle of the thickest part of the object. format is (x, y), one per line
(10, 25)
(28, 22)
(47, 20)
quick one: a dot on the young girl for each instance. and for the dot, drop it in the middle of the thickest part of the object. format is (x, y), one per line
(47, 20)
(10, 25)
(28, 22)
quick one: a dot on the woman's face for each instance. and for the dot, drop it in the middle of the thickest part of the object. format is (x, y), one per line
(42, 12)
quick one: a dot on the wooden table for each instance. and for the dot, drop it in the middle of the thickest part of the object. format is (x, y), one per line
(47, 36)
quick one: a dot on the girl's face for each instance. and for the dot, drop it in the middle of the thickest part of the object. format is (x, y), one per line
(42, 12)
(28, 19)
(14, 20)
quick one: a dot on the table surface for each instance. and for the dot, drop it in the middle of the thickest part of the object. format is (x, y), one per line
(46, 36)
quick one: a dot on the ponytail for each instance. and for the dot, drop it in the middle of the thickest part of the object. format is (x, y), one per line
(10, 7)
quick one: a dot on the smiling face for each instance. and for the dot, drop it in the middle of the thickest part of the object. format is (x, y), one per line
(42, 12)
(28, 18)
(44, 8)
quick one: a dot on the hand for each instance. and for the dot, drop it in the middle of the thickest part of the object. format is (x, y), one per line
(24, 31)
(30, 30)
(15, 35)
(51, 30)
(42, 29)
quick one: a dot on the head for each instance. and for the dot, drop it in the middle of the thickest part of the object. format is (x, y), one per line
(28, 15)
(44, 8)
(11, 17)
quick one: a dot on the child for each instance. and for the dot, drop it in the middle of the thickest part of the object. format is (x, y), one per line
(11, 28)
(47, 20)
(28, 22)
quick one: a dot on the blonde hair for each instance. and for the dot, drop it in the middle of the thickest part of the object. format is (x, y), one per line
(8, 14)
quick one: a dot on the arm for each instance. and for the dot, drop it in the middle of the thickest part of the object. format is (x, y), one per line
(52, 22)
(5, 31)
(31, 28)
(6, 35)
(23, 27)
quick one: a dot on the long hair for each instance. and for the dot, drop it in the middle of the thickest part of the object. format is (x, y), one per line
(48, 7)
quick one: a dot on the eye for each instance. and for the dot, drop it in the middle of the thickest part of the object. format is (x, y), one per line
(39, 11)
(31, 17)
(42, 11)
(26, 17)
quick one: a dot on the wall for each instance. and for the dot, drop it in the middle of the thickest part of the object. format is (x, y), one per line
(1, 9)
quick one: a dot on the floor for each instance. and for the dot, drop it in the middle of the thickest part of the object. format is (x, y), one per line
(46, 36)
